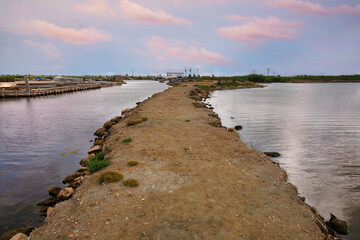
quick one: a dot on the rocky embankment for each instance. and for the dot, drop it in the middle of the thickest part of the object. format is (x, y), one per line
(185, 177)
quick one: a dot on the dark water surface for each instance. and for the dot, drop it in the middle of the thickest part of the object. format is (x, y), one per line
(316, 128)
(43, 139)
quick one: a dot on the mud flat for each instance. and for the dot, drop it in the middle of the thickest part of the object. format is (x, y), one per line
(197, 180)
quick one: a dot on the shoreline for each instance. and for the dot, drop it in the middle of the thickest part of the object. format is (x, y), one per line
(118, 126)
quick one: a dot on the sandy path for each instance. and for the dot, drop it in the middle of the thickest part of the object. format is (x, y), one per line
(196, 182)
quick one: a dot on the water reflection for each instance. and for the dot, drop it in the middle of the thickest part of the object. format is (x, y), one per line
(316, 128)
(36, 132)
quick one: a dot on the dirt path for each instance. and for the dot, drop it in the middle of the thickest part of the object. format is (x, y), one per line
(196, 182)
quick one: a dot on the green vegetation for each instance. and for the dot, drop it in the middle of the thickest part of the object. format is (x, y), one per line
(258, 78)
(132, 123)
(97, 163)
(132, 163)
(127, 140)
(110, 177)
(131, 182)
(224, 84)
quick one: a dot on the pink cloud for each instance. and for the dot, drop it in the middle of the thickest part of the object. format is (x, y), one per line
(96, 7)
(307, 7)
(142, 14)
(47, 48)
(68, 35)
(165, 50)
(256, 30)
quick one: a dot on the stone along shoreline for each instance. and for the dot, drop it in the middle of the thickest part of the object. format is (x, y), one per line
(196, 180)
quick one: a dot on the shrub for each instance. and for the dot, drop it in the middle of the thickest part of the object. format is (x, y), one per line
(110, 177)
(131, 182)
(132, 123)
(132, 163)
(231, 129)
(127, 140)
(97, 163)
(187, 120)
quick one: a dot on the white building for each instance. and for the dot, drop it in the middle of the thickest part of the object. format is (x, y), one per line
(175, 74)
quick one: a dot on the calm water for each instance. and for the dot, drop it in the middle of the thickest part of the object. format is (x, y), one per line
(316, 128)
(43, 139)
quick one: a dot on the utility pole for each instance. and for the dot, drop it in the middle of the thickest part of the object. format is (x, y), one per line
(190, 71)
(26, 78)
(197, 71)
(268, 71)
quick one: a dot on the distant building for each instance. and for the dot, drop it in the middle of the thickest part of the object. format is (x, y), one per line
(174, 74)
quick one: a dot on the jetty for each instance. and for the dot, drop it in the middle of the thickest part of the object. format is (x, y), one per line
(196, 180)
(47, 91)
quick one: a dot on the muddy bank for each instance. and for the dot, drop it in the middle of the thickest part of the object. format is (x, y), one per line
(196, 179)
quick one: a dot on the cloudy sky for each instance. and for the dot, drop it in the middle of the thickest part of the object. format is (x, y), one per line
(224, 37)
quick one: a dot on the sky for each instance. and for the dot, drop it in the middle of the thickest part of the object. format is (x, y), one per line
(221, 37)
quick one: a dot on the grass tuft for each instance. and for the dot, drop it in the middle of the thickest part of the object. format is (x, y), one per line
(97, 163)
(132, 163)
(231, 129)
(110, 177)
(132, 123)
(187, 120)
(127, 140)
(131, 182)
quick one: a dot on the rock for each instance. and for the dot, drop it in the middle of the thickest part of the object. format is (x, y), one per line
(125, 111)
(100, 132)
(99, 142)
(214, 115)
(19, 236)
(238, 127)
(215, 124)
(91, 140)
(65, 193)
(82, 169)
(199, 104)
(76, 183)
(72, 177)
(48, 202)
(272, 154)
(98, 138)
(54, 191)
(49, 211)
(302, 198)
(337, 225)
(108, 125)
(115, 120)
(84, 162)
(95, 149)
(44, 208)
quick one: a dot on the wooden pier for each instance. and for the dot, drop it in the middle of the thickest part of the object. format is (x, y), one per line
(47, 91)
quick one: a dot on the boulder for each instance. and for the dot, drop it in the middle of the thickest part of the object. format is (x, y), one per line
(19, 236)
(125, 111)
(98, 138)
(99, 142)
(84, 162)
(215, 124)
(337, 225)
(238, 127)
(54, 191)
(65, 193)
(48, 202)
(100, 132)
(76, 183)
(108, 125)
(49, 211)
(71, 178)
(272, 154)
(198, 104)
(214, 115)
(95, 149)
(114, 120)
(82, 169)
